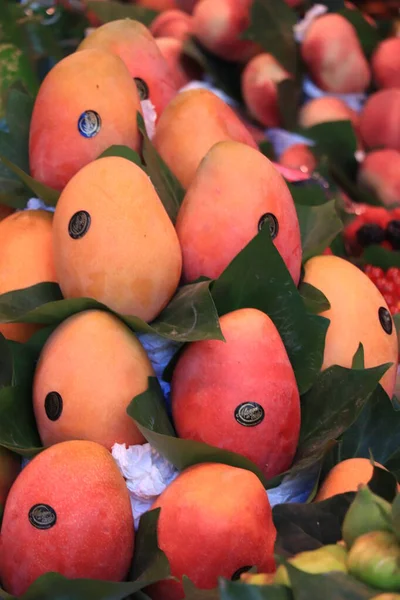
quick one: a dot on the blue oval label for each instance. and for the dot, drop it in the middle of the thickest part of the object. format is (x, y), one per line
(89, 123)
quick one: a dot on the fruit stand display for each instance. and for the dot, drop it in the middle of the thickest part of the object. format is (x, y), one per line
(199, 300)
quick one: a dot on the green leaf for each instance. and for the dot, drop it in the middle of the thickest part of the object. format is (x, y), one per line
(303, 527)
(367, 34)
(6, 363)
(288, 103)
(271, 26)
(190, 316)
(267, 149)
(149, 562)
(316, 302)
(308, 192)
(14, 67)
(336, 139)
(18, 431)
(113, 11)
(333, 585)
(379, 256)
(319, 226)
(334, 403)
(123, 152)
(258, 278)
(166, 184)
(149, 414)
(358, 358)
(194, 593)
(232, 590)
(48, 195)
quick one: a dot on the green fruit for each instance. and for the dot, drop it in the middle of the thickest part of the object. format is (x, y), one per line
(375, 559)
(325, 559)
(368, 512)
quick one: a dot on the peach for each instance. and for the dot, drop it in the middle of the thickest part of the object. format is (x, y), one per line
(380, 119)
(183, 68)
(215, 521)
(259, 88)
(26, 258)
(113, 240)
(191, 124)
(133, 43)
(68, 512)
(298, 156)
(325, 110)
(232, 386)
(235, 192)
(334, 56)
(358, 314)
(90, 102)
(380, 174)
(218, 24)
(10, 467)
(172, 23)
(116, 369)
(385, 63)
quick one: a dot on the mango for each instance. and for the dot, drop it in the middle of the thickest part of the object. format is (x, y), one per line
(385, 64)
(240, 395)
(113, 240)
(172, 23)
(325, 110)
(190, 125)
(218, 25)
(116, 369)
(183, 68)
(10, 466)
(358, 313)
(215, 520)
(89, 101)
(68, 512)
(236, 191)
(259, 88)
(298, 156)
(379, 120)
(26, 258)
(334, 57)
(133, 43)
(380, 174)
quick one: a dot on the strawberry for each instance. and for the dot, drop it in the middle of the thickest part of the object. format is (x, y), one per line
(388, 283)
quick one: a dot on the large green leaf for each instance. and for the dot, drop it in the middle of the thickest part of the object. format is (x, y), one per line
(18, 431)
(6, 363)
(319, 226)
(113, 11)
(316, 302)
(232, 590)
(149, 562)
(288, 102)
(258, 278)
(123, 152)
(336, 139)
(48, 195)
(367, 33)
(148, 411)
(271, 26)
(379, 256)
(194, 593)
(190, 316)
(333, 404)
(167, 185)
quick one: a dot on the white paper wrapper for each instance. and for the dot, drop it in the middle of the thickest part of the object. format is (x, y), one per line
(281, 140)
(149, 116)
(147, 474)
(208, 85)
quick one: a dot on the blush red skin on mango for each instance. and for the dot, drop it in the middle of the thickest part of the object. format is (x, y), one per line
(212, 378)
(298, 156)
(214, 520)
(90, 80)
(380, 120)
(93, 536)
(132, 42)
(172, 23)
(385, 63)
(182, 67)
(233, 188)
(380, 173)
(190, 125)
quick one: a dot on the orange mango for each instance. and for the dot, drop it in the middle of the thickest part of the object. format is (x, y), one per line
(385, 63)
(380, 173)
(298, 156)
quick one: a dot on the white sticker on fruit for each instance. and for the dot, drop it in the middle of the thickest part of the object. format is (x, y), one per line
(149, 116)
(301, 27)
(147, 474)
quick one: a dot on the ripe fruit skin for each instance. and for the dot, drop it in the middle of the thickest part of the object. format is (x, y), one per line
(218, 25)
(298, 156)
(191, 124)
(386, 64)
(214, 520)
(234, 187)
(91, 80)
(26, 258)
(10, 466)
(129, 230)
(334, 57)
(380, 174)
(172, 23)
(214, 378)
(379, 120)
(327, 109)
(93, 536)
(92, 356)
(182, 67)
(331, 557)
(157, 4)
(354, 317)
(346, 476)
(259, 87)
(375, 558)
(133, 43)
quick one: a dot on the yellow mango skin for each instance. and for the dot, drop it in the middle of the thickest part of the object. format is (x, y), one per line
(129, 258)
(354, 318)
(323, 560)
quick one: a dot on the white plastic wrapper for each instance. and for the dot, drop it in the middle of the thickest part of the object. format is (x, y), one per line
(147, 474)
(37, 204)
(300, 29)
(208, 85)
(149, 116)
(354, 101)
(281, 140)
